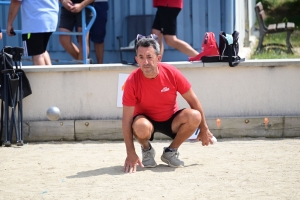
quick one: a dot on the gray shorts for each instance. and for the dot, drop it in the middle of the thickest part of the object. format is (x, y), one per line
(69, 20)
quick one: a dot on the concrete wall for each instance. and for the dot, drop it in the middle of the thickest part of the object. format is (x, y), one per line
(87, 98)
(253, 88)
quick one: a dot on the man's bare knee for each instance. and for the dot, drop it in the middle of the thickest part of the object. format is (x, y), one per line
(192, 117)
(38, 59)
(196, 117)
(142, 128)
(170, 40)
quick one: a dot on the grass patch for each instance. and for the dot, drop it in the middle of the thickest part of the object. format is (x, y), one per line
(274, 53)
(278, 52)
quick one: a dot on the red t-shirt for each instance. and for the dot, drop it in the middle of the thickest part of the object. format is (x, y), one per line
(168, 3)
(156, 97)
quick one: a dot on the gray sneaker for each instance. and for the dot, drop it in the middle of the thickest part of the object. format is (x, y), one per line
(148, 158)
(171, 158)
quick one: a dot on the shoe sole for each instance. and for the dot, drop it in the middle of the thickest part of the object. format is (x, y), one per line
(168, 162)
(150, 166)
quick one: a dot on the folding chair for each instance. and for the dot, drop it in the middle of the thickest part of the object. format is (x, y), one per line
(133, 25)
(14, 87)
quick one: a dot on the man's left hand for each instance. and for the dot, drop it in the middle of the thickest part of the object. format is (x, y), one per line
(206, 137)
(76, 8)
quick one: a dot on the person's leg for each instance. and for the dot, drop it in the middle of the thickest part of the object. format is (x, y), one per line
(160, 40)
(184, 125)
(68, 45)
(80, 43)
(67, 24)
(180, 45)
(157, 27)
(98, 30)
(99, 50)
(35, 45)
(38, 59)
(79, 29)
(47, 58)
(142, 131)
(169, 26)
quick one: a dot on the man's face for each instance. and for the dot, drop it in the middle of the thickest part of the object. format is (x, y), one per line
(147, 60)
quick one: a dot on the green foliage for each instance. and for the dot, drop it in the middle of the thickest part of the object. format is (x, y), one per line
(280, 11)
(274, 53)
(266, 4)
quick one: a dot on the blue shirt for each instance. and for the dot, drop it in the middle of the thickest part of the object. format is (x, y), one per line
(39, 16)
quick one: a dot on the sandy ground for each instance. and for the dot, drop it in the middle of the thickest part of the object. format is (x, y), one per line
(231, 169)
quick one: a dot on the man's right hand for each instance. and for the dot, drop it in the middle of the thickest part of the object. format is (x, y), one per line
(68, 4)
(10, 30)
(131, 163)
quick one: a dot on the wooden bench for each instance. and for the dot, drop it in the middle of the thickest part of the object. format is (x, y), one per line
(272, 28)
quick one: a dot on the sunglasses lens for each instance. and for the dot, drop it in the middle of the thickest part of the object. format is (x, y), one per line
(153, 36)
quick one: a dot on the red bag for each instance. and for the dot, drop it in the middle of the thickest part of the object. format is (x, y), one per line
(209, 48)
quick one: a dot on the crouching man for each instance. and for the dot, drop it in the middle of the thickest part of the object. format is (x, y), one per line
(149, 106)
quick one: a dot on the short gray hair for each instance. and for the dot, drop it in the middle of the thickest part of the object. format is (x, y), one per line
(148, 42)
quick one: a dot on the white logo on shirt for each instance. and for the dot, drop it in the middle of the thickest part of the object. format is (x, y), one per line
(165, 89)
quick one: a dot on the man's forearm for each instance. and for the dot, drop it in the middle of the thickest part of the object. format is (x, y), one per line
(203, 123)
(13, 11)
(85, 3)
(128, 138)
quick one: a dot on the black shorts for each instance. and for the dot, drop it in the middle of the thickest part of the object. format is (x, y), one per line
(69, 20)
(164, 127)
(165, 20)
(35, 43)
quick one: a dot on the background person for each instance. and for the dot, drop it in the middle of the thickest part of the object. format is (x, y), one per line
(70, 18)
(165, 24)
(149, 106)
(98, 30)
(39, 21)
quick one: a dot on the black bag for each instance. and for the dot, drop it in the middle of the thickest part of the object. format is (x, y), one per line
(8, 57)
(229, 48)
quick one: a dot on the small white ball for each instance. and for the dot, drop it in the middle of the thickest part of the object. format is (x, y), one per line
(214, 140)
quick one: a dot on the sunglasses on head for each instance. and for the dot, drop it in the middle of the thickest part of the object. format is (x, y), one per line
(153, 36)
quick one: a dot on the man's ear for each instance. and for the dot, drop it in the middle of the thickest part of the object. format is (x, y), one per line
(159, 58)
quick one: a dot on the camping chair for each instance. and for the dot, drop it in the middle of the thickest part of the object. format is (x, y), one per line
(14, 87)
(133, 25)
